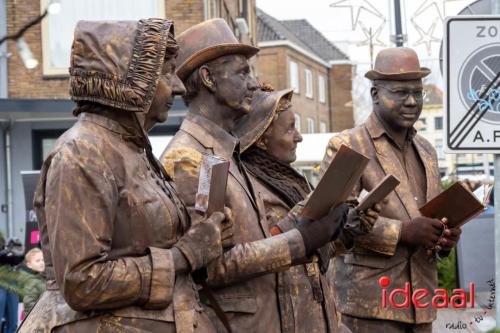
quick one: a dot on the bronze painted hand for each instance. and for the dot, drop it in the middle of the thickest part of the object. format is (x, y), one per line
(226, 231)
(202, 242)
(422, 231)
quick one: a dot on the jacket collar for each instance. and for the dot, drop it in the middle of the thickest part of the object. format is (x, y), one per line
(389, 162)
(210, 135)
(376, 128)
(111, 122)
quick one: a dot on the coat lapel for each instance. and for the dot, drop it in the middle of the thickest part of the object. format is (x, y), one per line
(391, 165)
(204, 137)
(431, 168)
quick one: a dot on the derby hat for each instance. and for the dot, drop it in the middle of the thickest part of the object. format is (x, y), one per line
(207, 41)
(398, 64)
(252, 126)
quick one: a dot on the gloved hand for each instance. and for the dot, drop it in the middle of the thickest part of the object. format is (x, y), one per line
(226, 231)
(202, 242)
(317, 233)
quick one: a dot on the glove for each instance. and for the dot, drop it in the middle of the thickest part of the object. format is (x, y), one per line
(317, 233)
(227, 227)
(202, 242)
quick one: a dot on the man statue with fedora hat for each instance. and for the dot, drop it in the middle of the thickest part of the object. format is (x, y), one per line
(397, 249)
(241, 285)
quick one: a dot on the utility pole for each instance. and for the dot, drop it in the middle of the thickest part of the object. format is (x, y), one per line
(399, 37)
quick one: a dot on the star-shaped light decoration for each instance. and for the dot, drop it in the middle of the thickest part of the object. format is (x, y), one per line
(359, 6)
(428, 10)
(373, 34)
(429, 7)
(426, 37)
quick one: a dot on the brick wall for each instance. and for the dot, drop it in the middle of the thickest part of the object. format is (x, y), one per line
(340, 91)
(24, 83)
(273, 68)
(184, 13)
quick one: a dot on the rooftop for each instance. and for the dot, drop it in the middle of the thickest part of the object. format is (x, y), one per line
(299, 32)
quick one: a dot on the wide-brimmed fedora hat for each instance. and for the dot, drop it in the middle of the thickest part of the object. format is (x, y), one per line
(264, 107)
(207, 41)
(397, 63)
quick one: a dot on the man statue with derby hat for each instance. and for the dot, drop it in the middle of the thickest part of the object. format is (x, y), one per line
(399, 244)
(214, 68)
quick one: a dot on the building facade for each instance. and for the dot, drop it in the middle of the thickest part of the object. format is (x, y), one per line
(295, 55)
(34, 103)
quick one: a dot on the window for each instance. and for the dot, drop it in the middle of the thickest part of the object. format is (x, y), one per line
(421, 124)
(322, 127)
(297, 122)
(438, 123)
(309, 83)
(310, 125)
(43, 142)
(439, 148)
(294, 76)
(321, 88)
(57, 30)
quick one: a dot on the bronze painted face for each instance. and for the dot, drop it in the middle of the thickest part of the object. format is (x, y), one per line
(281, 138)
(234, 84)
(169, 85)
(399, 102)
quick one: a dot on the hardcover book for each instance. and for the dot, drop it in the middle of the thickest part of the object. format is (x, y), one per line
(212, 183)
(457, 204)
(336, 184)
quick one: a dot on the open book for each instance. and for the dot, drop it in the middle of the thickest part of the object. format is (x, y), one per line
(457, 204)
(212, 183)
(336, 184)
(378, 193)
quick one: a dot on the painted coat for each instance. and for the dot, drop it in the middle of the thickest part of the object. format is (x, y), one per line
(379, 253)
(107, 222)
(243, 279)
(302, 310)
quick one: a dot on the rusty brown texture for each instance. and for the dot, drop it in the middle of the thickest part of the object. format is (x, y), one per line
(379, 253)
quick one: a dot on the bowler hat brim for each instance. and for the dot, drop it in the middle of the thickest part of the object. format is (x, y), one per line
(213, 52)
(376, 75)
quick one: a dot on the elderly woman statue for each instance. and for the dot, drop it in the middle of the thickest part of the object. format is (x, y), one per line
(118, 245)
(269, 139)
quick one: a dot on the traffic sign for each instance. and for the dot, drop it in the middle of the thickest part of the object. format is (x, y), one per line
(472, 81)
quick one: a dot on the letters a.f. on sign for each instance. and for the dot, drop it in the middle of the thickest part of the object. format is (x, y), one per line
(472, 81)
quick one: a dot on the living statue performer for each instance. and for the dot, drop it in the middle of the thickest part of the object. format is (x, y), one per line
(398, 244)
(118, 243)
(269, 139)
(219, 89)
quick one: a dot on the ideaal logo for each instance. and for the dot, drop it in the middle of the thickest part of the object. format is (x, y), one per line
(440, 297)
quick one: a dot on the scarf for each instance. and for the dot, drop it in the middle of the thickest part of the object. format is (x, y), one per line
(280, 177)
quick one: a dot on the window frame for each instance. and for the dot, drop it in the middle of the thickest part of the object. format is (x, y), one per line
(309, 83)
(298, 121)
(322, 127)
(51, 71)
(321, 89)
(291, 62)
(310, 125)
(437, 120)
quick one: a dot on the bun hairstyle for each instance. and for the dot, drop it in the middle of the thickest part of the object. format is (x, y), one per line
(266, 87)
(283, 105)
